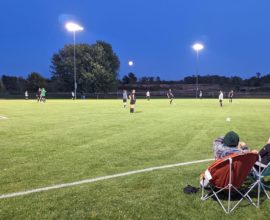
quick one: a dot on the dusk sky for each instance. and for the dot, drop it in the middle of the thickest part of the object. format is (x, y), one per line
(156, 34)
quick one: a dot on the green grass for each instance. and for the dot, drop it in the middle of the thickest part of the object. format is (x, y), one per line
(64, 141)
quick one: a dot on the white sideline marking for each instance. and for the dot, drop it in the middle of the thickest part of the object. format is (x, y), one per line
(3, 117)
(63, 185)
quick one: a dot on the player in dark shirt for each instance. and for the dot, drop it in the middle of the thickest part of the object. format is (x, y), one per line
(170, 95)
(132, 98)
(230, 96)
(39, 95)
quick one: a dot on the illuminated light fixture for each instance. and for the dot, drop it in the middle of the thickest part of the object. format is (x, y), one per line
(197, 47)
(73, 27)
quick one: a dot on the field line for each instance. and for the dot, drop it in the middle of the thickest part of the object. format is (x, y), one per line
(63, 185)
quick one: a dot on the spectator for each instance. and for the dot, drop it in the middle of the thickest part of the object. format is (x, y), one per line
(265, 153)
(229, 144)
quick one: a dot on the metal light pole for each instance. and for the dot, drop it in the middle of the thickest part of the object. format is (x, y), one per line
(75, 69)
(197, 47)
(72, 27)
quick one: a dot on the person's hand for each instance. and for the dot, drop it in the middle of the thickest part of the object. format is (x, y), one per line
(254, 151)
(241, 144)
(268, 142)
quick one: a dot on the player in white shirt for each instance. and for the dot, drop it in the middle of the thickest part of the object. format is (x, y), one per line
(72, 95)
(26, 95)
(148, 95)
(170, 96)
(200, 94)
(220, 97)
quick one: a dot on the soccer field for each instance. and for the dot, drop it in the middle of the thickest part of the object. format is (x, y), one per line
(64, 141)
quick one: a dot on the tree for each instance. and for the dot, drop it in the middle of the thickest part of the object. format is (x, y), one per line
(97, 67)
(132, 78)
(236, 80)
(265, 79)
(190, 79)
(35, 81)
(22, 84)
(10, 82)
(125, 79)
(13, 83)
(2, 87)
(144, 79)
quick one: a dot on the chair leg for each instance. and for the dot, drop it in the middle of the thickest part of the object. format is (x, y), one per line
(259, 193)
(266, 193)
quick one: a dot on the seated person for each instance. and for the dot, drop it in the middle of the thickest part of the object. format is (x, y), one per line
(224, 146)
(265, 156)
(265, 153)
(229, 144)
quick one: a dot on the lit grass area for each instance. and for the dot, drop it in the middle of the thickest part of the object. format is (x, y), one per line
(61, 141)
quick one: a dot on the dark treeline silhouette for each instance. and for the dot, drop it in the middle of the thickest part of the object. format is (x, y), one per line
(257, 80)
(35, 80)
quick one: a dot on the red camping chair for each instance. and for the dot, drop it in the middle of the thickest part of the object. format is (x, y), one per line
(228, 174)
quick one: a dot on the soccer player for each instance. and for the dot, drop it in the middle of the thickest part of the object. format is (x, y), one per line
(200, 94)
(43, 95)
(39, 95)
(132, 98)
(73, 95)
(170, 95)
(148, 95)
(125, 97)
(230, 96)
(26, 95)
(220, 97)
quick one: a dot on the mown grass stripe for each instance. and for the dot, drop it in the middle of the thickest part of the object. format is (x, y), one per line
(64, 185)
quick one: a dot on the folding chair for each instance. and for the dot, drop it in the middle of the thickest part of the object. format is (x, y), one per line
(260, 171)
(227, 175)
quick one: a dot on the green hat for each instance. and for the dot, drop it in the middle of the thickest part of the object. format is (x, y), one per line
(231, 139)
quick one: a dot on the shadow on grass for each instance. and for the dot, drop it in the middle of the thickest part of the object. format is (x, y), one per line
(137, 112)
(235, 196)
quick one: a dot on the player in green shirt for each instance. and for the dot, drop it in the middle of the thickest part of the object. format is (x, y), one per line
(43, 95)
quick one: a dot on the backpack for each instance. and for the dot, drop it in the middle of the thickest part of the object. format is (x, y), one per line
(190, 189)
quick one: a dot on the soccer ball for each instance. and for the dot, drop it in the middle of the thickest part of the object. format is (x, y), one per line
(130, 63)
(228, 119)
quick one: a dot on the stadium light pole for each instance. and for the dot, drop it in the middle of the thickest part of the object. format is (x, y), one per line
(73, 27)
(197, 47)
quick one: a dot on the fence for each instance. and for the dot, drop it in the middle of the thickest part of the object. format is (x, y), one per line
(139, 94)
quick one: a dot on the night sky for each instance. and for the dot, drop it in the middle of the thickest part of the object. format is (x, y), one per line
(156, 34)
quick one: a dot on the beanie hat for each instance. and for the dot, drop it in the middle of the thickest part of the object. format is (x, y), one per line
(231, 139)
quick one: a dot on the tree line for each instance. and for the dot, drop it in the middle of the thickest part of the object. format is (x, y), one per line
(236, 81)
(65, 83)
(98, 71)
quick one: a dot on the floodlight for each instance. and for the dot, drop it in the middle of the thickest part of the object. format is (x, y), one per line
(73, 27)
(197, 46)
